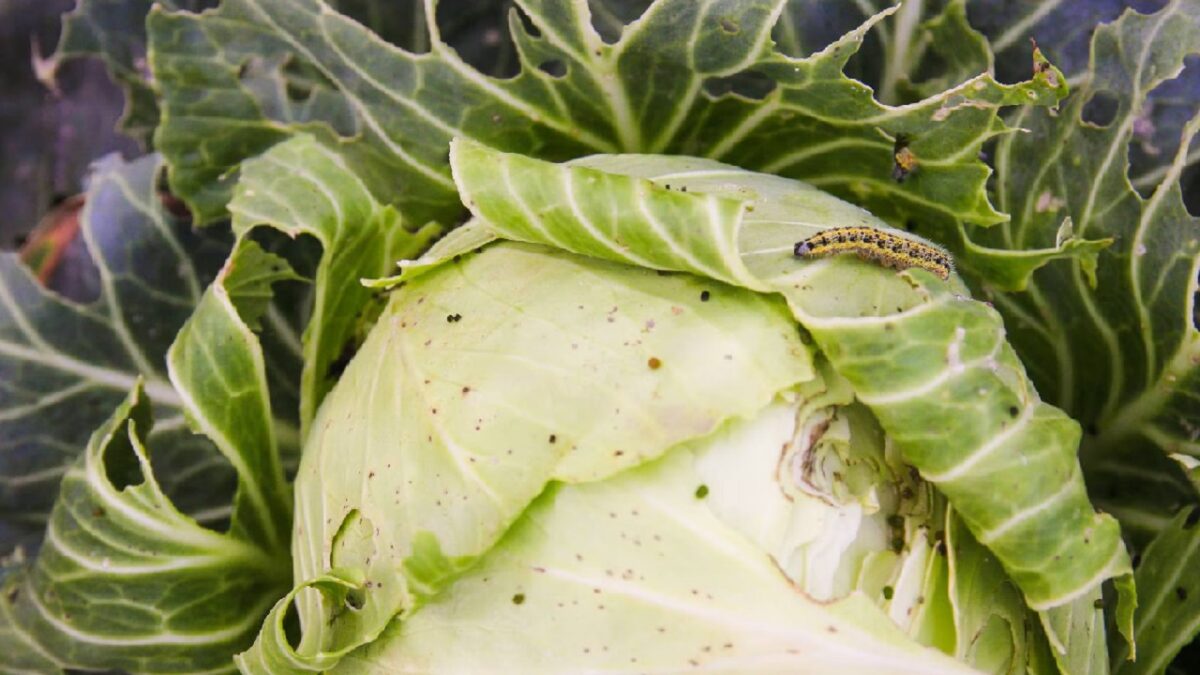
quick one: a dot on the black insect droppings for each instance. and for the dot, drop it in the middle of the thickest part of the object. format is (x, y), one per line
(704, 296)
(518, 599)
(1181, 592)
(701, 491)
(453, 318)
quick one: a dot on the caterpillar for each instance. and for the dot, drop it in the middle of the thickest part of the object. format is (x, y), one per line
(891, 251)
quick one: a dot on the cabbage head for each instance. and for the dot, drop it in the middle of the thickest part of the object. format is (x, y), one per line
(614, 424)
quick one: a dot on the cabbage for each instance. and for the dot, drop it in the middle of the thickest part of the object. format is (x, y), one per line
(614, 423)
(603, 417)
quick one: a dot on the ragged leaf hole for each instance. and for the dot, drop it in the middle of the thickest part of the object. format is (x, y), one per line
(1101, 108)
(610, 18)
(553, 68)
(748, 83)
(121, 466)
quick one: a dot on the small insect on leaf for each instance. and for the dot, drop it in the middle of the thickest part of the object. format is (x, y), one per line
(904, 160)
(887, 249)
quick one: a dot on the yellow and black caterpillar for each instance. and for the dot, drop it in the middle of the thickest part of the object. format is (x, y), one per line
(868, 243)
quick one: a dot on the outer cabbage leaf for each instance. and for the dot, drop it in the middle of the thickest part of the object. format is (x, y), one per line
(933, 365)
(126, 581)
(1168, 614)
(114, 31)
(246, 76)
(483, 380)
(1122, 355)
(540, 601)
(65, 365)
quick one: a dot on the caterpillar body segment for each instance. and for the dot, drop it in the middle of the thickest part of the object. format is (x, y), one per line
(887, 249)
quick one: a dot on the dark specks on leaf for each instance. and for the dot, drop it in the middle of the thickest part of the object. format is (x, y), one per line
(518, 599)
(654, 363)
(729, 25)
(1192, 518)
(553, 438)
(453, 318)
(704, 296)
(701, 491)
(1181, 592)
(1013, 411)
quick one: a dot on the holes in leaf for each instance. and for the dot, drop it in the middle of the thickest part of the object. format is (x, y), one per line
(1196, 305)
(1101, 108)
(356, 599)
(1158, 128)
(1189, 181)
(609, 17)
(291, 625)
(553, 68)
(121, 465)
(302, 79)
(749, 84)
(528, 25)
(400, 22)
(478, 32)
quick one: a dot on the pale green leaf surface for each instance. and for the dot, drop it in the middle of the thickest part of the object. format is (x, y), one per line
(216, 364)
(302, 187)
(237, 80)
(836, 511)
(613, 596)
(487, 377)
(992, 627)
(933, 365)
(1076, 634)
(1168, 613)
